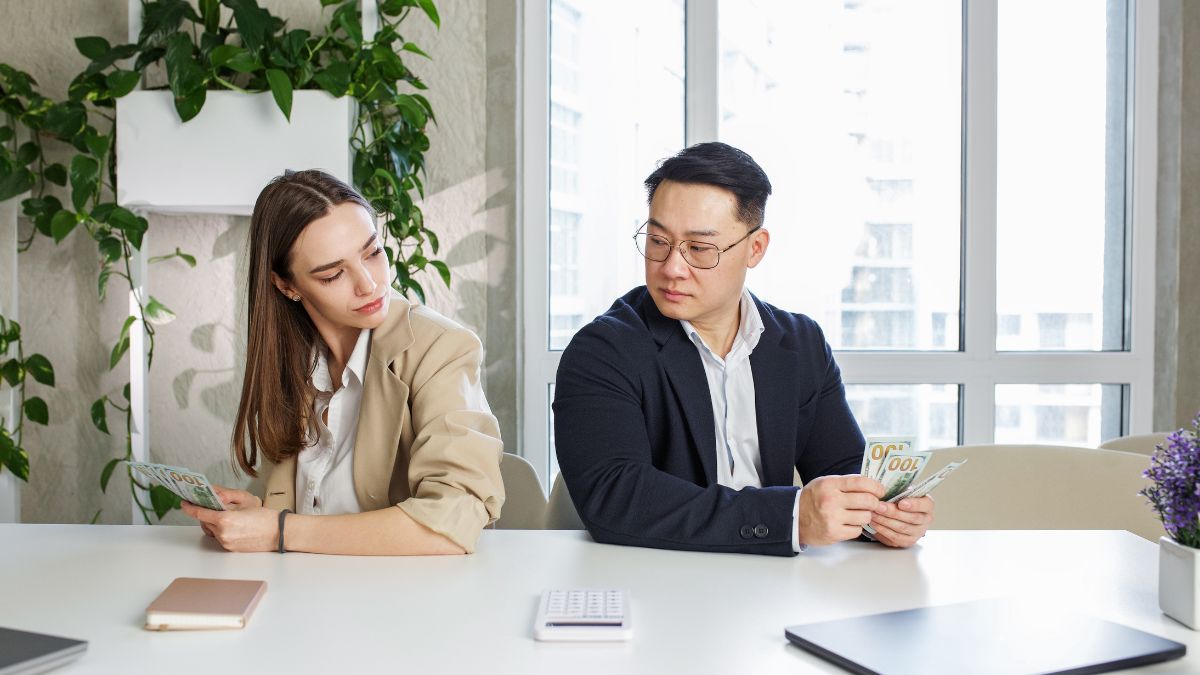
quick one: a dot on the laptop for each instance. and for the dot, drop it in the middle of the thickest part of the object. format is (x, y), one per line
(23, 653)
(983, 637)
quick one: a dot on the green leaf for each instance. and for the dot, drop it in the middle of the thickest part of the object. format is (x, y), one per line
(410, 47)
(41, 369)
(111, 249)
(412, 111)
(36, 410)
(125, 392)
(121, 82)
(430, 11)
(442, 269)
(326, 3)
(244, 62)
(416, 288)
(95, 48)
(65, 120)
(97, 144)
(96, 518)
(281, 89)
(85, 175)
(100, 414)
(62, 223)
(6, 134)
(18, 181)
(27, 153)
(16, 459)
(163, 500)
(334, 79)
(133, 225)
(189, 106)
(433, 240)
(223, 54)
(160, 20)
(254, 23)
(12, 372)
(189, 259)
(122, 345)
(102, 281)
(346, 17)
(210, 12)
(106, 474)
(56, 173)
(101, 213)
(157, 313)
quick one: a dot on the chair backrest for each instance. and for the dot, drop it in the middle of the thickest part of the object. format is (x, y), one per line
(1043, 487)
(1143, 444)
(560, 512)
(524, 502)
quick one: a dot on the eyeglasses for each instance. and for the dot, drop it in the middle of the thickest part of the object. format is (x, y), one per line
(698, 254)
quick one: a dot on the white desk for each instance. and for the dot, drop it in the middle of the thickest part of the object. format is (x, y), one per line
(692, 612)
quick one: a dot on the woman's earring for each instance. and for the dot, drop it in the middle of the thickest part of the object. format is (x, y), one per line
(296, 297)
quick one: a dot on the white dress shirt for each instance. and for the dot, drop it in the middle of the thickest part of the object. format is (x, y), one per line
(731, 388)
(324, 470)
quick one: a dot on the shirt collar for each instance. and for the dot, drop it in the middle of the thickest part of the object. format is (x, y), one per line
(750, 326)
(356, 365)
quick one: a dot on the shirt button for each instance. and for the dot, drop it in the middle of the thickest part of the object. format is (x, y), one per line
(747, 532)
(312, 485)
(761, 530)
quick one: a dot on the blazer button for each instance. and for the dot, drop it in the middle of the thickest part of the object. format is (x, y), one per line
(761, 530)
(747, 532)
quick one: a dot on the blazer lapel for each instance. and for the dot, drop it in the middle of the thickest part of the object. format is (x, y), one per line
(384, 408)
(678, 357)
(776, 400)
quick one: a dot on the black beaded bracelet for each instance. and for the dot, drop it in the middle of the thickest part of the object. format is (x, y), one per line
(282, 514)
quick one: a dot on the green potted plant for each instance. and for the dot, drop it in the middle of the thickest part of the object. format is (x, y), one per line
(1174, 493)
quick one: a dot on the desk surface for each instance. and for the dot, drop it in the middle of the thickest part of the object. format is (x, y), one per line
(692, 612)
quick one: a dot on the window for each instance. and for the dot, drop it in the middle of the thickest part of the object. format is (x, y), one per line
(966, 215)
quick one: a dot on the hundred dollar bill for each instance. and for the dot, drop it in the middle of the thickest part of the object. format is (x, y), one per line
(187, 485)
(900, 470)
(878, 448)
(929, 483)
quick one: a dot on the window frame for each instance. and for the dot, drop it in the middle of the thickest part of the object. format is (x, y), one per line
(977, 367)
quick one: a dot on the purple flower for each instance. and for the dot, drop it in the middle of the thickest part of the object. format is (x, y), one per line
(1175, 492)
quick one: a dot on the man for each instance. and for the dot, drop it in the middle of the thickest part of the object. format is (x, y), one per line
(680, 413)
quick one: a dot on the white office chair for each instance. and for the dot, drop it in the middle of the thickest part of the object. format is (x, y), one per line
(1043, 487)
(560, 511)
(524, 502)
(1143, 444)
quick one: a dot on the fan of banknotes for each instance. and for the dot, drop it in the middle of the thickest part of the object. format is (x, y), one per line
(187, 485)
(893, 462)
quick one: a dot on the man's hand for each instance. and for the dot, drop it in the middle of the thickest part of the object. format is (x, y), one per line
(835, 508)
(903, 523)
(250, 528)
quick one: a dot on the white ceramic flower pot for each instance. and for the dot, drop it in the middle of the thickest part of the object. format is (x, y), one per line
(220, 160)
(1179, 582)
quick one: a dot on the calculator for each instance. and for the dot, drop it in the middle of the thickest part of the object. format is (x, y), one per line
(583, 615)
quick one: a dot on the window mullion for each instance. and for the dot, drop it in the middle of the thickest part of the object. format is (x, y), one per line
(980, 81)
(702, 72)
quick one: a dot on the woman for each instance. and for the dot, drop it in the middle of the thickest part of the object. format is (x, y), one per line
(368, 410)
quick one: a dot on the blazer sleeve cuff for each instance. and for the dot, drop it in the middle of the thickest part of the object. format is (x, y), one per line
(458, 517)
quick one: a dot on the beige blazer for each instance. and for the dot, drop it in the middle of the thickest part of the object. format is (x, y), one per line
(427, 442)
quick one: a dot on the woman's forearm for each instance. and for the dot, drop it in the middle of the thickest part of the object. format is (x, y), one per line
(388, 531)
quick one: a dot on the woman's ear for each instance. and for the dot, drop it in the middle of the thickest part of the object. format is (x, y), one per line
(284, 287)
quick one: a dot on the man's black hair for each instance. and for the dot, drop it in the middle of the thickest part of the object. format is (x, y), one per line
(723, 166)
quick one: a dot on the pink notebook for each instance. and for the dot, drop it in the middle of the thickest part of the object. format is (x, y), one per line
(204, 604)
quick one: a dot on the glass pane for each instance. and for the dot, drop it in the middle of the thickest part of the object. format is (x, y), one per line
(1059, 414)
(927, 412)
(1060, 212)
(616, 109)
(857, 122)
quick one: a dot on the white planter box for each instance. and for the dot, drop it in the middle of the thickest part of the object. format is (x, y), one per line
(1179, 582)
(220, 160)
(10, 486)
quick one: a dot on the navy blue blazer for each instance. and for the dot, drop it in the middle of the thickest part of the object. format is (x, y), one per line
(635, 436)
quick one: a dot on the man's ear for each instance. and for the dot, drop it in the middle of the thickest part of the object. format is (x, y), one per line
(758, 247)
(283, 286)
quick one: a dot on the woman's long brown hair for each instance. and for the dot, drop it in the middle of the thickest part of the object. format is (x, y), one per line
(274, 417)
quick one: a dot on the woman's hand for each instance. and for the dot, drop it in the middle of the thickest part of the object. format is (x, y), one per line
(248, 528)
(236, 500)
